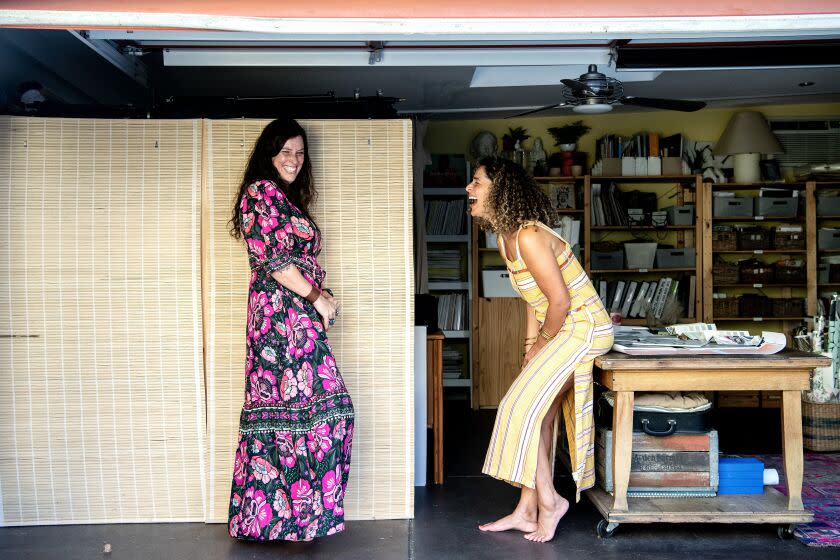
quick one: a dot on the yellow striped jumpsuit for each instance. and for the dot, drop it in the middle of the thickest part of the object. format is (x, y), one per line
(586, 334)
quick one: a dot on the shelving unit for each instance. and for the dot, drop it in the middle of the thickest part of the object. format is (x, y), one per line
(817, 289)
(784, 290)
(689, 190)
(457, 337)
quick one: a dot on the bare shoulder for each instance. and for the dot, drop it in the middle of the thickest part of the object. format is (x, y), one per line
(534, 239)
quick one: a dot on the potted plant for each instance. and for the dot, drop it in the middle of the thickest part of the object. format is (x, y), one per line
(513, 136)
(567, 136)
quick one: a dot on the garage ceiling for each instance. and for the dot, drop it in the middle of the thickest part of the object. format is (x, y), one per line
(440, 77)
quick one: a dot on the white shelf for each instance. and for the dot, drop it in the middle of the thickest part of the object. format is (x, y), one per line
(449, 285)
(432, 191)
(456, 334)
(447, 238)
(457, 382)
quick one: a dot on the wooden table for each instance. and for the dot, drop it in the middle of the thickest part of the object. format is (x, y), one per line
(788, 372)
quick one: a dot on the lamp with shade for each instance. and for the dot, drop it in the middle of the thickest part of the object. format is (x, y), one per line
(746, 137)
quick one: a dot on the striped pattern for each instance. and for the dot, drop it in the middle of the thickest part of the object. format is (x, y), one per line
(587, 333)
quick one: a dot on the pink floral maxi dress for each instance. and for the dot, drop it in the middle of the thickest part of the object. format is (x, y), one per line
(296, 428)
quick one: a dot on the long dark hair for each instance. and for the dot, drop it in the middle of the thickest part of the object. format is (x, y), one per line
(301, 192)
(515, 197)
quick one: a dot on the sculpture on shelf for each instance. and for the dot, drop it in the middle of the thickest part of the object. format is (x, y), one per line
(483, 144)
(538, 158)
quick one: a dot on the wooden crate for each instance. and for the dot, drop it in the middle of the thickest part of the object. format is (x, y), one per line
(680, 464)
(738, 399)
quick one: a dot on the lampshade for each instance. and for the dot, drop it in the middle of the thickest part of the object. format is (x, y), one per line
(748, 133)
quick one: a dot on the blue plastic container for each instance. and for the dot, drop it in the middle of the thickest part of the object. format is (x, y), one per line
(740, 475)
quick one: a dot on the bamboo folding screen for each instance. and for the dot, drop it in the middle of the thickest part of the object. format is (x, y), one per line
(102, 392)
(362, 171)
(123, 294)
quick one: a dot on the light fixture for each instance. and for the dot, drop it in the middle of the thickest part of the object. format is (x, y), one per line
(593, 108)
(747, 136)
(806, 84)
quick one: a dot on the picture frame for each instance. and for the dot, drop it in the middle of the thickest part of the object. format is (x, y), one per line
(770, 170)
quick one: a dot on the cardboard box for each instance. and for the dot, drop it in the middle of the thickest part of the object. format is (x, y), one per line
(732, 207)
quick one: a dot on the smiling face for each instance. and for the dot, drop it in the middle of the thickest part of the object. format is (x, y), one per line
(478, 194)
(289, 160)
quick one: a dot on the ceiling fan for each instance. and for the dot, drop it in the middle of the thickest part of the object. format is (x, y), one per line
(594, 92)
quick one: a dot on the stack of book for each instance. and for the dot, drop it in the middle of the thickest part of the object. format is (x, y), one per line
(452, 311)
(445, 216)
(453, 363)
(444, 264)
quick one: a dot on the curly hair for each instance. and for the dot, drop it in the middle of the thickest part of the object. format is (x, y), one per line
(301, 192)
(515, 197)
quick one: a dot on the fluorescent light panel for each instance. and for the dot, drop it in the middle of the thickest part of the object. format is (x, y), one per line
(390, 57)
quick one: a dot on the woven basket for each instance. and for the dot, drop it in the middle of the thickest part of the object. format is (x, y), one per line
(754, 238)
(725, 307)
(753, 271)
(724, 272)
(789, 240)
(724, 238)
(789, 272)
(821, 426)
(794, 307)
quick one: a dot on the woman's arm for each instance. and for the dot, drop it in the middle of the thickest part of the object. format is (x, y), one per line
(290, 278)
(535, 248)
(532, 330)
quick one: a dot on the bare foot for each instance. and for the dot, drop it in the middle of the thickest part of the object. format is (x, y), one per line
(548, 520)
(524, 522)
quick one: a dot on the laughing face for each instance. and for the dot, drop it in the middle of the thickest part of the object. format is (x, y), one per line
(478, 194)
(289, 160)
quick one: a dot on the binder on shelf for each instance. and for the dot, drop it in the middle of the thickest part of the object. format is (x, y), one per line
(628, 166)
(628, 299)
(654, 165)
(640, 164)
(617, 297)
(647, 306)
(636, 308)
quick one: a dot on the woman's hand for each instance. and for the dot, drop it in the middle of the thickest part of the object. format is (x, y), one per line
(531, 352)
(328, 307)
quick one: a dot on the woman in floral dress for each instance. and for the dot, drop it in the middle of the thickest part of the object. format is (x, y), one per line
(296, 428)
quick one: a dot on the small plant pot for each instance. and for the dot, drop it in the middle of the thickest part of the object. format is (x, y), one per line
(555, 171)
(568, 147)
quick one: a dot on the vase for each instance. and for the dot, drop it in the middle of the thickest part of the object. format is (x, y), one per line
(570, 147)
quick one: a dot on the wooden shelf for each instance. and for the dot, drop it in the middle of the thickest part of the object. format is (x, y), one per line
(447, 238)
(762, 251)
(445, 191)
(645, 178)
(762, 219)
(456, 334)
(761, 285)
(753, 186)
(827, 251)
(759, 319)
(449, 382)
(642, 270)
(637, 228)
(569, 210)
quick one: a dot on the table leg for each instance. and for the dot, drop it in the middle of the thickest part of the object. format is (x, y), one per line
(792, 446)
(622, 447)
(437, 431)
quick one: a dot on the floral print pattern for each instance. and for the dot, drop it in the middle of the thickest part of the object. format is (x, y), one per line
(292, 462)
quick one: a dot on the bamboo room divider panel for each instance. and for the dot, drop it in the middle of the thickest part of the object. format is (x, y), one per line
(363, 173)
(101, 374)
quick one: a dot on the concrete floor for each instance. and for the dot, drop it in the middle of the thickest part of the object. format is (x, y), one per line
(444, 527)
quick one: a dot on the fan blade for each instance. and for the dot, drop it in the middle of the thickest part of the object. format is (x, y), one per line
(670, 104)
(577, 87)
(546, 108)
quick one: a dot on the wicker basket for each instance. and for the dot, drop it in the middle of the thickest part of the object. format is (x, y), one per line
(754, 305)
(753, 271)
(724, 238)
(788, 240)
(754, 238)
(724, 272)
(794, 307)
(821, 426)
(725, 307)
(789, 272)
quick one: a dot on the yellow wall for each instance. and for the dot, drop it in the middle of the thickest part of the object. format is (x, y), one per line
(707, 124)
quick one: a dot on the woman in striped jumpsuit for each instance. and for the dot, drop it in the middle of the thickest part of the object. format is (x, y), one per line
(567, 327)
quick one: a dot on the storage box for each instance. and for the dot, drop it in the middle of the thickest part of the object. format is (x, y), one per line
(779, 207)
(672, 166)
(828, 238)
(676, 465)
(606, 260)
(681, 215)
(828, 206)
(497, 283)
(640, 255)
(732, 207)
(675, 258)
(740, 475)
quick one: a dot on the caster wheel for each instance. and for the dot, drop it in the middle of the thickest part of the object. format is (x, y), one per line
(785, 532)
(605, 529)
